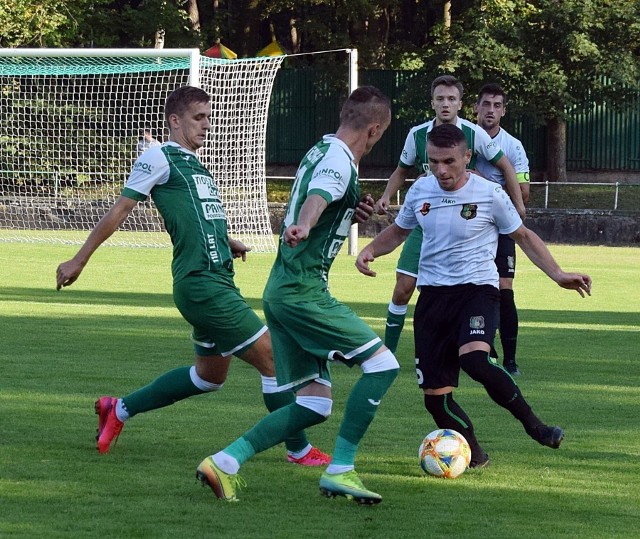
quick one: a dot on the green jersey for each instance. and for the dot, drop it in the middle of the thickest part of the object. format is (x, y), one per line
(414, 152)
(187, 198)
(301, 273)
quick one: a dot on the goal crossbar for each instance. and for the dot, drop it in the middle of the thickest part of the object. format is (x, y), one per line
(72, 119)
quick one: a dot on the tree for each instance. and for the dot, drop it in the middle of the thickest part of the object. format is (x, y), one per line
(41, 23)
(553, 56)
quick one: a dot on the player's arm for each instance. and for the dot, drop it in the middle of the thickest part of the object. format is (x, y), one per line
(395, 182)
(511, 184)
(70, 270)
(383, 244)
(537, 251)
(310, 212)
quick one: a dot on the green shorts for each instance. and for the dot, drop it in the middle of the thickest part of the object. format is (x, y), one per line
(410, 256)
(307, 336)
(223, 323)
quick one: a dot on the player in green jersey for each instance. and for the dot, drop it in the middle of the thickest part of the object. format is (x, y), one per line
(446, 100)
(310, 328)
(204, 291)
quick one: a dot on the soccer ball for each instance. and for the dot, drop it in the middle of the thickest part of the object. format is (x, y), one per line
(444, 453)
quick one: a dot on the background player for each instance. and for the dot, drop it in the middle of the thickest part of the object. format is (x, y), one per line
(490, 108)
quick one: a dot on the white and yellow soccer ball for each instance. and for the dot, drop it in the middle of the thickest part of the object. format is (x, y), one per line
(444, 453)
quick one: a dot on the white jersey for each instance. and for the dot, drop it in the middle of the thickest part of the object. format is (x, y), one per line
(514, 151)
(460, 230)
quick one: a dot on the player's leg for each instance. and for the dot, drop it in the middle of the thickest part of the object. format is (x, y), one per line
(481, 309)
(296, 369)
(506, 265)
(340, 477)
(168, 388)
(220, 471)
(406, 277)
(347, 338)
(437, 364)
(192, 296)
(260, 355)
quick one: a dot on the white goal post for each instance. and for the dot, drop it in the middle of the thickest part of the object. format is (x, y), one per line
(72, 120)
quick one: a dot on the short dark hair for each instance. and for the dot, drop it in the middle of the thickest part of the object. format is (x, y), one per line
(365, 105)
(447, 136)
(181, 98)
(447, 80)
(492, 88)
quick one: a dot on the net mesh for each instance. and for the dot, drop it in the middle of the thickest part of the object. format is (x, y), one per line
(70, 131)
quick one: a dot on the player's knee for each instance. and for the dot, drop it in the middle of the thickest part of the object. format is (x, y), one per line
(434, 404)
(320, 405)
(202, 384)
(404, 288)
(477, 365)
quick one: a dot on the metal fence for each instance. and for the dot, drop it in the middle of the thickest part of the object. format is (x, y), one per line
(305, 105)
(559, 195)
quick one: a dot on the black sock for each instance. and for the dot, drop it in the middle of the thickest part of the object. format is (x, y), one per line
(448, 414)
(508, 325)
(500, 387)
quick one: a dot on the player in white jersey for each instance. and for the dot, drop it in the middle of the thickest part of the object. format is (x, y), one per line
(490, 108)
(311, 328)
(204, 291)
(461, 215)
(446, 100)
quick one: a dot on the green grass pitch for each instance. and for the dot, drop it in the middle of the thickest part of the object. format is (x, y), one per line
(117, 328)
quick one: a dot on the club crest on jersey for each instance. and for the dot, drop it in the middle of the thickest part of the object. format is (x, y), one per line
(476, 323)
(469, 211)
(426, 206)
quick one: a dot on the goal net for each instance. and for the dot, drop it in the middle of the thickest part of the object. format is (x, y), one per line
(71, 123)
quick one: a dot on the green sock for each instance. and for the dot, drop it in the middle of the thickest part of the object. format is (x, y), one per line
(393, 327)
(168, 388)
(273, 429)
(361, 408)
(274, 401)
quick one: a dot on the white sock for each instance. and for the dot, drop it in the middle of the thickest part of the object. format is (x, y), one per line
(226, 463)
(338, 468)
(121, 411)
(398, 309)
(300, 454)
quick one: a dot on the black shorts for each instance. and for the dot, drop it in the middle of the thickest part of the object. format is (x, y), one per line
(506, 257)
(445, 318)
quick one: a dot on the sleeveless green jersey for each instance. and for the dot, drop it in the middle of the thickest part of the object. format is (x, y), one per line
(301, 273)
(187, 197)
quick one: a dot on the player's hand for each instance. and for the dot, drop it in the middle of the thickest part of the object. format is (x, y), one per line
(294, 234)
(239, 249)
(67, 273)
(362, 262)
(364, 209)
(522, 212)
(576, 281)
(382, 206)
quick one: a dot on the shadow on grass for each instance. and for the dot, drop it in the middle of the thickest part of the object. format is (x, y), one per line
(89, 297)
(364, 309)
